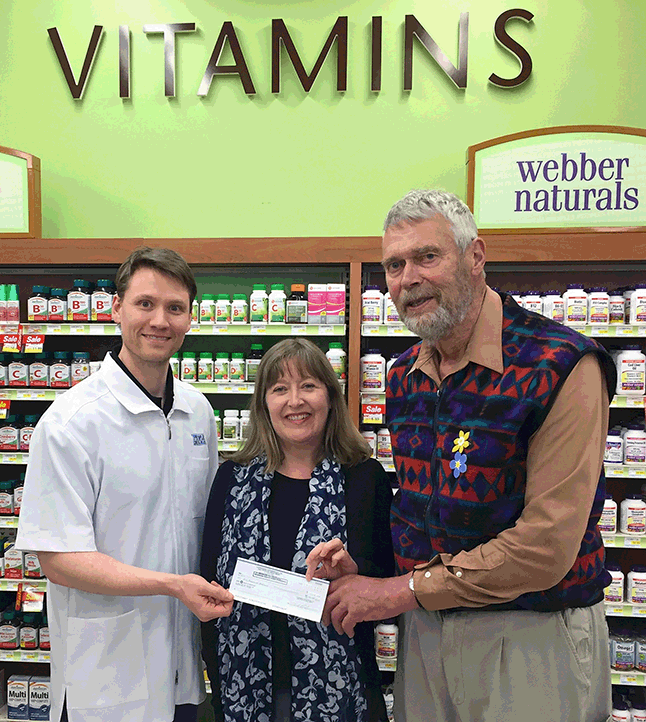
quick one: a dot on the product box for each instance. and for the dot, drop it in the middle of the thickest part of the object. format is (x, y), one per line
(18, 697)
(335, 303)
(317, 303)
(32, 566)
(14, 564)
(39, 698)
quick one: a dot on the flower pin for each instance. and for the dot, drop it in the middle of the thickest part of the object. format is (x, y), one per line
(458, 464)
(462, 441)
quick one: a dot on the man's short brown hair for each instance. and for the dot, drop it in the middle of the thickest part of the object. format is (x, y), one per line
(163, 260)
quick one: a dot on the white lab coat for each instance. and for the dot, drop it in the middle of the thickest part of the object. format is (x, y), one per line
(104, 476)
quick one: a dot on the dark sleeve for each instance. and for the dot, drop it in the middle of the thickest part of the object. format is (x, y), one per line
(211, 545)
(368, 498)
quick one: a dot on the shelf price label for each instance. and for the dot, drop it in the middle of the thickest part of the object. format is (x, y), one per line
(399, 330)
(625, 331)
(609, 541)
(614, 611)
(79, 330)
(326, 330)
(628, 679)
(600, 331)
(639, 611)
(299, 329)
(258, 329)
(370, 330)
(632, 541)
(373, 409)
(219, 329)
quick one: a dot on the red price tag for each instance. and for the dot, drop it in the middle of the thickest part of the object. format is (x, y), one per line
(33, 342)
(10, 342)
(5, 404)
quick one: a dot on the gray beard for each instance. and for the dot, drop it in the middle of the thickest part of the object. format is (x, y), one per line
(433, 327)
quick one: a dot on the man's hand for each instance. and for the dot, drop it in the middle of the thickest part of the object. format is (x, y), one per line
(334, 561)
(353, 599)
(206, 601)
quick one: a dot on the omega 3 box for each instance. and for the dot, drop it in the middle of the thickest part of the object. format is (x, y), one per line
(39, 690)
(18, 697)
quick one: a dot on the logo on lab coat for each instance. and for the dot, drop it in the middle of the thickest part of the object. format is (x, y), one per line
(198, 440)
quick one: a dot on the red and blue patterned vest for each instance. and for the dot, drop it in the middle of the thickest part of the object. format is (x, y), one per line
(437, 510)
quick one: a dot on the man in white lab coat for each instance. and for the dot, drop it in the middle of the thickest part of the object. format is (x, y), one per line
(119, 474)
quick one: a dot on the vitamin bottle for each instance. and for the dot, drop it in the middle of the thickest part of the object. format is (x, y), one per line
(236, 367)
(317, 303)
(3, 303)
(57, 306)
(518, 297)
(635, 445)
(338, 360)
(386, 633)
(43, 634)
(205, 367)
(37, 304)
(78, 302)
(9, 630)
(222, 309)
(80, 368)
(4, 371)
(26, 431)
(636, 587)
(533, 302)
(638, 306)
(371, 438)
(576, 305)
(620, 711)
(258, 304)
(277, 301)
(39, 371)
(239, 309)
(189, 367)
(627, 294)
(6, 498)
(372, 305)
(218, 422)
(207, 308)
(245, 420)
(101, 301)
(608, 521)
(231, 425)
(390, 315)
(617, 307)
(554, 306)
(175, 365)
(373, 371)
(29, 632)
(614, 451)
(221, 367)
(614, 592)
(393, 357)
(18, 370)
(638, 710)
(60, 371)
(599, 306)
(632, 515)
(624, 651)
(18, 490)
(13, 304)
(10, 433)
(384, 446)
(252, 362)
(631, 371)
(296, 305)
(195, 312)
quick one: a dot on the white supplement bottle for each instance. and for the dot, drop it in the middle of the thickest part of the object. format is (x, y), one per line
(393, 357)
(373, 372)
(631, 371)
(617, 306)
(636, 587)
(221, 367)
(533, 302)
(638, 306)
(576, 305)
(599, 306)
(258, 304)
(635, 445)
(553, 306)
(614, 452)
(386, 634)
(80, 368)
(205, 367)
(518, 297)
(372, 305)
(236, 367)
(371, 438)
(239, 309)
(614, 592)
(195, 312)
(632, 515)
(391, 315)
(207, 308)
(78, 302)
(338, 360)
(620, 711)
(174, 365)
(245, 420)
(189, 367)
(384, 446)
(222, 309)
(231, 425)
(277, 300)
(608, 521)
(638, 711)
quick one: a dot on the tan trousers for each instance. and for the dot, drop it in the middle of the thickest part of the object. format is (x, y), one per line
(503, 667)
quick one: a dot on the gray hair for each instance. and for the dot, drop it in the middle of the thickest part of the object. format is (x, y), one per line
(419, 205)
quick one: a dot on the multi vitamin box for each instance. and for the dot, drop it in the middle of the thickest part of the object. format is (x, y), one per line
(18, 697)
(39, 698)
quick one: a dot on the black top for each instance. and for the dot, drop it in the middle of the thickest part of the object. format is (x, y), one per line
(168, 393)
(367, 499)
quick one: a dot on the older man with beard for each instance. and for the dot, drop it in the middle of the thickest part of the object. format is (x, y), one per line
(498, 420)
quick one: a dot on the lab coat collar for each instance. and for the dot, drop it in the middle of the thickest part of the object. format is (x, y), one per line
(129, 395)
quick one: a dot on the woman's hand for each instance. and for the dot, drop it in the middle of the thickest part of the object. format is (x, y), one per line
(330, 560)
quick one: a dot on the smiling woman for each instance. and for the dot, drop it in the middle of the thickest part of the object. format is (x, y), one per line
(303, 477)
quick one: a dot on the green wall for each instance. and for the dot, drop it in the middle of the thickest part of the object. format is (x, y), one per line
(292, 164)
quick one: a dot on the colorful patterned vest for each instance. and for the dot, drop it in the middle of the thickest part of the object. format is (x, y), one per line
(454, 497)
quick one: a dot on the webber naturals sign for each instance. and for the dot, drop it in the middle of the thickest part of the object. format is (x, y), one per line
(579, 176)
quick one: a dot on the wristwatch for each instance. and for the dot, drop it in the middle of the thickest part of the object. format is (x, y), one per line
(411, 586)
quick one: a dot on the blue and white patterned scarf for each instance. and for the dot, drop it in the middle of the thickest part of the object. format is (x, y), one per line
(326, 686)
